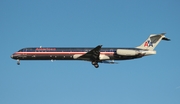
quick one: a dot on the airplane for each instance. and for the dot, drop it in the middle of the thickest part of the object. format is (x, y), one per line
(94, 55)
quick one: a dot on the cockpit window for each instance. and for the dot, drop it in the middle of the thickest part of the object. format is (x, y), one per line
(20, 50)
(23, 50)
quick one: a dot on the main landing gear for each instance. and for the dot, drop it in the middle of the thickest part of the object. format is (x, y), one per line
(18, 62)
(95, 64)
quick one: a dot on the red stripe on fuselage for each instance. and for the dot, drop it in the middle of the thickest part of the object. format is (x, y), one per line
(58, 53)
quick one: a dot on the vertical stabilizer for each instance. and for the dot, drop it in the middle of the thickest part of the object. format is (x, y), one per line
(152, 41)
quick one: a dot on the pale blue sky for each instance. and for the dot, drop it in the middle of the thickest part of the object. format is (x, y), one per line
(88, 23)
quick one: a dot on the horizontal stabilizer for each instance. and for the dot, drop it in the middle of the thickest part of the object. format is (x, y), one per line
(167, 39)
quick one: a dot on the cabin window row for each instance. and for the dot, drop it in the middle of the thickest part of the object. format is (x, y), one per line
(62, 50)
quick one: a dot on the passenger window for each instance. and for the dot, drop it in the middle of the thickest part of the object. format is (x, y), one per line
(111, 50)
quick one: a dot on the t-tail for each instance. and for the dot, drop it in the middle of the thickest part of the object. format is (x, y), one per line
(152, 41)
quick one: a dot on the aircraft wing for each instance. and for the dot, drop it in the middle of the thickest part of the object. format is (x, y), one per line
(92, 55)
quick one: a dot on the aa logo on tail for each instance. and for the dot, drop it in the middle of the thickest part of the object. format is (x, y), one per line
(148, 44)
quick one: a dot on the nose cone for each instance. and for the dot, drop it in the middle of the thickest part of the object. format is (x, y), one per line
(12, 56)
(15, 56)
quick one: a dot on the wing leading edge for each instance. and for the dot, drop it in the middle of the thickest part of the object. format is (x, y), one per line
(92, 55)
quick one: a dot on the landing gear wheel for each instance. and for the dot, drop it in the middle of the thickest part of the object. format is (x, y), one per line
(96, 65)
(94, 62)
(18, 62)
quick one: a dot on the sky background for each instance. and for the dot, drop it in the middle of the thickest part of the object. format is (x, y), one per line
(88, 23)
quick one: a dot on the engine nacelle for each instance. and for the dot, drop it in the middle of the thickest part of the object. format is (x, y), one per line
(126, 52)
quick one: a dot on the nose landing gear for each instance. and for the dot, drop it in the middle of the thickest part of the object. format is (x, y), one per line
(18, 62)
